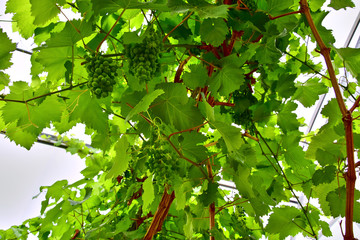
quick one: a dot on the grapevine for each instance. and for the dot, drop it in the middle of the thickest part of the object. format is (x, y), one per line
(143, 57)
(102, 73)
(162, 163)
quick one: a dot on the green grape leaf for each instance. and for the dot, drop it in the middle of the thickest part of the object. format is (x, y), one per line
(248, 155)
(277, 7)
(228, 79)
(123, 225)
(192, 145)
(45, 10)
(88, 192)
(231, 135)
(175, 108)
(4, 80)
(308, 93)
(207, 110)
(110, 6)
(32, 119)
(105, 6)
(286, 119)
(53, 60)
(325, 34)
(268, 53)
(337, 201)
(196, 77)
(63, 125)
(20, 137)
(148, 195)
(283, 222)
(5, 48)
(325, 175)
(121, 160)
(351, 57)
(131, 37)
(339, 4)
(332, 112)
(180, 193)
(56, 191)
(316, 4)
(188, 227)
(243, 185)
(213, 31)
(212, 11)
(86, 109)
(73, 32)
(52, 215)
(210, 194)
(286, 85)
(22, 16)
(144, 103)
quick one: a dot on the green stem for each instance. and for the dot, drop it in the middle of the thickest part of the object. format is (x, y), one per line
(2, 97)
(289, 185)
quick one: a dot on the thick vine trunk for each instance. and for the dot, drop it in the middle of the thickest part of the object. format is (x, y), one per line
(348, 121)
(212, 218)
(350, 178)
(212, 205)
(160, 214)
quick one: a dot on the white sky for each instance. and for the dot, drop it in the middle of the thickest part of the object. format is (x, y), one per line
(22, 172)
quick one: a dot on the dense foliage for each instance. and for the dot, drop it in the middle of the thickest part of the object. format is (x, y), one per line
(178, 95)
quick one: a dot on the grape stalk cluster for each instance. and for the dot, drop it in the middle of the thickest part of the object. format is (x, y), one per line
(143, 57)
(102, 73)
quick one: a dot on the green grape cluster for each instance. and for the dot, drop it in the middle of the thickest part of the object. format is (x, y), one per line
(251, 4)
(143, 57)
(163, 165)
(102, 73)
(241, 112)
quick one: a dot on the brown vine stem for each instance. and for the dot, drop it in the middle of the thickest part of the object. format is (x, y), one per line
(207, 159)
(180, 70)
(212, 205)
(167, 35)
(350, 177)
(284, 15)
(2, 98)
(77, 30)
(182, 156)
(188, 130)
(231, 204)
(160, 214)
(28, 112)
(23, 51)
(355, 105)
(98, 47)
(203, 60)
(348, 124)
(142, 115)
(325, 51)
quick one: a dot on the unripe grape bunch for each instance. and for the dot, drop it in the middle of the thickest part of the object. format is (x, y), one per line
(143, 57)
(163, 165)
(102, 73)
